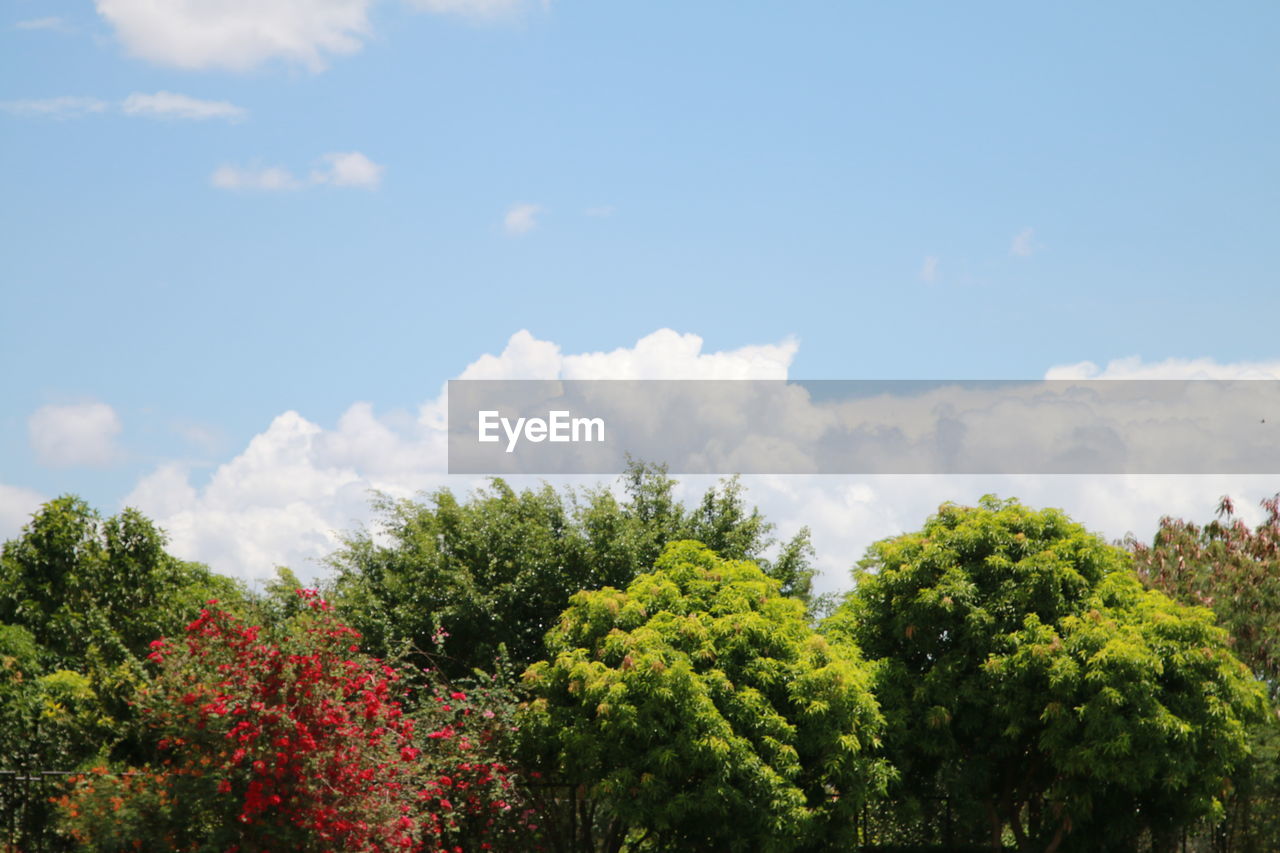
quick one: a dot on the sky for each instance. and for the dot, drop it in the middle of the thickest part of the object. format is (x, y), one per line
(244, 243)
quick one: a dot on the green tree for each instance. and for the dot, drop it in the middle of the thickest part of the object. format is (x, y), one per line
(97, 591)
(1229, 567)
(699, 711)
(493, 573)
(80, 599)
(1028, 676)
(1234, 569)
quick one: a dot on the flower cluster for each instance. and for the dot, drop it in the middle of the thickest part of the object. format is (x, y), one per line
(299, 742)
(469, 792)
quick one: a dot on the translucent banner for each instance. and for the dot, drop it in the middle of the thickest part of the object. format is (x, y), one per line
(866, 427)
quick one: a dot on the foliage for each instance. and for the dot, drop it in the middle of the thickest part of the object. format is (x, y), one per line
(19, 689)
(80, 598)
(92, 593)
(263, 745)
(1230, 568)
(97, 590)
(1026, 672)
(1234, 570)
(701, 712)
(289, 742)
(498, 569)
(471, 797)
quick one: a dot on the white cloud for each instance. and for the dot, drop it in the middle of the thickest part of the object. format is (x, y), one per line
(602, 211)
(1024, 245)
(847, 514)
(349, 169)
(664, 354)
(51, 23)
(340, 169)
(521, 218)
(280, 500)
(929, 269)
(16, 506)
(66, 106)
(477, 10)
(74, 435)
(172, 105)
(238, 34)
(1133, 367)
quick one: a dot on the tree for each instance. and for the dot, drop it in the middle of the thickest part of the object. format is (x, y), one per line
(1028, 676)
(1234, 570)
(1230, 568)
(80, 598)
(495, 571)
(700, 711)
(94, 591)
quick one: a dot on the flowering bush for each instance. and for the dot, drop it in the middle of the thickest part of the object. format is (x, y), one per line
(470, 793)
(295, 743)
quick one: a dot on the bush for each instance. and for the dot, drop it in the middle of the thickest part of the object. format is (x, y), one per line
(295, 742)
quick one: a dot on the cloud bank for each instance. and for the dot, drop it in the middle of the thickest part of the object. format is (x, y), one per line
(284, 497)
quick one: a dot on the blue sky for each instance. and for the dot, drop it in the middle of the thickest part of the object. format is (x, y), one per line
(915, 190)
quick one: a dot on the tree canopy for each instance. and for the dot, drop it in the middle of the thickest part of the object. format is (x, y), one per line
(493, 572)
(701, 711)
(96, 589)
(1027, 674)
(81, 598)
(1229, 567)
(1233, 569)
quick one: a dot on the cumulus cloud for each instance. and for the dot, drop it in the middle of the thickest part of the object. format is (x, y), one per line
(349, 169)
(173, 105)
(602, 211)
(1024, 244)
(238, 34)
(64, 106)
(847, 514)
(79, 434)
(664, 354)
(280, 501)
(929, 269)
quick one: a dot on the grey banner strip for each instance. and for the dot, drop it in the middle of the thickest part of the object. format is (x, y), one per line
(866, 426)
